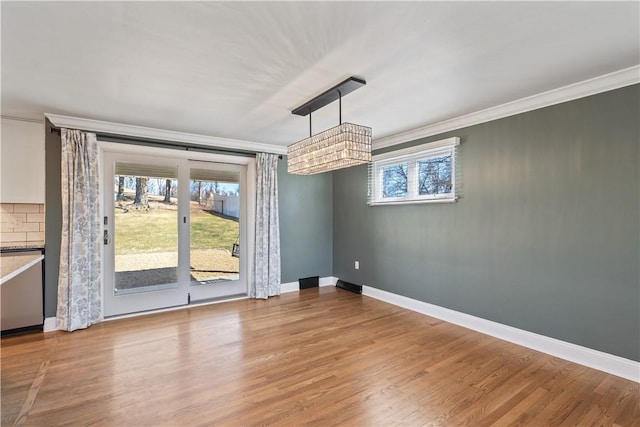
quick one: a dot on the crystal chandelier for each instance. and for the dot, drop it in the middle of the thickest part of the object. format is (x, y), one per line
(336, 148)
(340, 147)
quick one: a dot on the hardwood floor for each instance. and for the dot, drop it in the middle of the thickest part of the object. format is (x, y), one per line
(318, 357)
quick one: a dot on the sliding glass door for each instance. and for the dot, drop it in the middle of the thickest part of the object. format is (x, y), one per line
(217, 212)
(173, 232)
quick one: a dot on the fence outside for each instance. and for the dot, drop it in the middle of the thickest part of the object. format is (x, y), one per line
(228, 205)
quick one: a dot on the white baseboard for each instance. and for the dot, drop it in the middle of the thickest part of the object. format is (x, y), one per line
(294, 286)
(599, 360)
(50, 324)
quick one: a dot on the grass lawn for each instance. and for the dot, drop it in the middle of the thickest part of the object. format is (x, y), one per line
(156, 230)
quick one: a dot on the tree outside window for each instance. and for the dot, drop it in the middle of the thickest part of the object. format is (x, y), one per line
(434, 176)
(394, 180)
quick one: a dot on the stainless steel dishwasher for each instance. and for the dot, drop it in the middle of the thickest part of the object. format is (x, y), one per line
(21, 292)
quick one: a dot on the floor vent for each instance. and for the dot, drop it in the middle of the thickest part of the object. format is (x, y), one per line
(309, 282)
(356, 289)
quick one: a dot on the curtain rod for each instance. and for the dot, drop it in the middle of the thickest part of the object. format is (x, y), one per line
(167, 144)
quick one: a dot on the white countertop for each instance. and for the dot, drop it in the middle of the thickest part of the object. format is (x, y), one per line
(14, 264)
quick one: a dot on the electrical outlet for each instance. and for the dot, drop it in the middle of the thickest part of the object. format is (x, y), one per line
(357, 265)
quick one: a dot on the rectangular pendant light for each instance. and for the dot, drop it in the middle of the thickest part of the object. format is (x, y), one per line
(340, 147)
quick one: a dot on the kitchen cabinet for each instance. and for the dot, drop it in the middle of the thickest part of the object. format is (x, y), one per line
(22, 174)
(21, 291)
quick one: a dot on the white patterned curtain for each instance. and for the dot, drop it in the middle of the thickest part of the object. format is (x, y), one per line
(79, 287)
(266, 278)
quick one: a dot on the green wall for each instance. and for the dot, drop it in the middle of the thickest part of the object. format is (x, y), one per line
(53, 219)
(545, 236)
(306, 216)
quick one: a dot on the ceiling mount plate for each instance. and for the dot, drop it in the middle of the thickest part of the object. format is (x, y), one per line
(347, 86)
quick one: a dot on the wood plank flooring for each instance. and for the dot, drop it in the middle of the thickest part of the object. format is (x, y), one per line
(319, 357)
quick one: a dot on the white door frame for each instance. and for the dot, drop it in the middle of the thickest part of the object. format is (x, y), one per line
(109, 151)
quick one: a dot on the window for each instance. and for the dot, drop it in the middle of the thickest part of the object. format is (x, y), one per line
(394, 180)
(421, 174)
(434, 175)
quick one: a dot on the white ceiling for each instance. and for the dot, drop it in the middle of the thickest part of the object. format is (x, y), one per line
(237, 69)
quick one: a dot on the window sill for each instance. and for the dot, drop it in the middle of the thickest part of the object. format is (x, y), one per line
(413, 201)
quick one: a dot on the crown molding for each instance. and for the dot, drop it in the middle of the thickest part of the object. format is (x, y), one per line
(22, 119)
(161, 134)
(607, 82)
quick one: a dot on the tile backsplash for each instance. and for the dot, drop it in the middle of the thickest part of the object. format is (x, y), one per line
(21, 224)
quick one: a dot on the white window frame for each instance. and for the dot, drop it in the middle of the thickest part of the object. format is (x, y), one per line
(411, 156)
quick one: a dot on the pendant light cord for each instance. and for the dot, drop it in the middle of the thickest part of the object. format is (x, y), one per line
(340, 106)
(339, 112)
